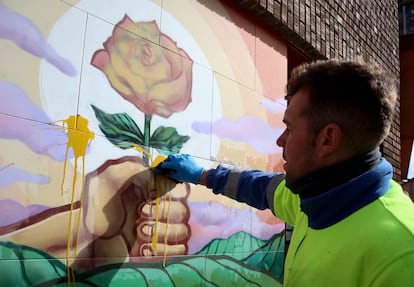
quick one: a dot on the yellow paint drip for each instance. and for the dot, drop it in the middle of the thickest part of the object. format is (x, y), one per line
(140, 149)
(157, 203)
(166, 229)
(154, 163)
(79, 138)
(159, 159)
(159, 187)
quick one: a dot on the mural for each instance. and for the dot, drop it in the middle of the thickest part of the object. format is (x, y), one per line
(93, 95)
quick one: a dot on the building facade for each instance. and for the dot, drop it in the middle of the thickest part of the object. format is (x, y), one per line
(347, 30)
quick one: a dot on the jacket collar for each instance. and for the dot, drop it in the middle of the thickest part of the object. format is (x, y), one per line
(332, 206)
(324, 179)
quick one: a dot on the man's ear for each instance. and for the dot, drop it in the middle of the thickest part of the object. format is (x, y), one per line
(329, 140)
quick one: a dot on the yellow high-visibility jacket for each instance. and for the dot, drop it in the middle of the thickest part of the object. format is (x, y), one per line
(373, 246)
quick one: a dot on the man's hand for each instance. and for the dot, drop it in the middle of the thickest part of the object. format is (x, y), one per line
(181, 167)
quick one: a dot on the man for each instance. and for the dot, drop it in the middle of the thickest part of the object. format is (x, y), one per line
(353, 225)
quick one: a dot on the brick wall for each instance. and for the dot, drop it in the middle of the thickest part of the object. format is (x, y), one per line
(343, 29)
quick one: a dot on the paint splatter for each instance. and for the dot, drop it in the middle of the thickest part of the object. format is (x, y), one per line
(158, 188)
(79, 138)
(160, 185)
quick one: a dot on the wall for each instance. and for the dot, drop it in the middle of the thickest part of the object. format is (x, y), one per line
(339, 29)
(93, 94)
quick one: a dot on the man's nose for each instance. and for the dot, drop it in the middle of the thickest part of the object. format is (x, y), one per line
(281, 140)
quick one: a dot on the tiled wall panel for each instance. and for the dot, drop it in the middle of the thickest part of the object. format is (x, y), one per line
(92, 94)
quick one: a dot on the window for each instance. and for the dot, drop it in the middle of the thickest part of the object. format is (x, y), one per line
(406, 18)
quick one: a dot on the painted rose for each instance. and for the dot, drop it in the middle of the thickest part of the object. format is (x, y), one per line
(157, 79)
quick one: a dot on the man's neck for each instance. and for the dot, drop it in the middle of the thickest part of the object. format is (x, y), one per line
(324, 179)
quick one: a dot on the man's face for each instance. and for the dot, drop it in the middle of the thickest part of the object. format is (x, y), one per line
(296, 140)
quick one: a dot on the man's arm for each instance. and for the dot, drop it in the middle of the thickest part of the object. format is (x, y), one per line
(203, 178)
(248, 186)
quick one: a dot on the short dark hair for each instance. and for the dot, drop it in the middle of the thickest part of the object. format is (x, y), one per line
(359, 97)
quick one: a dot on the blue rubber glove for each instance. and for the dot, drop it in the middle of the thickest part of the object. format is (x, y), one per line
(182, 168)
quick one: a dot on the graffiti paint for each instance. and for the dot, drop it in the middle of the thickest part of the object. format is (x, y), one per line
(159, 187)
(79, 138)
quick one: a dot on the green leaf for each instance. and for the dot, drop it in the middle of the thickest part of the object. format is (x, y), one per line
(186, 271)
(267, 255)
(120, 129)
(236, 246)
(26, 266)
(167, 139)
(225, 271)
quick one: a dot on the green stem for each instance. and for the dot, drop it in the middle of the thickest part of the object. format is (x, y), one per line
(147, 134)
